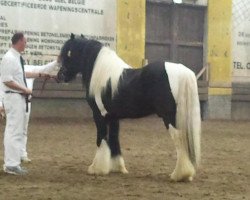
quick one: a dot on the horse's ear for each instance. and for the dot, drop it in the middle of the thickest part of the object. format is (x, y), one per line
(72, 36)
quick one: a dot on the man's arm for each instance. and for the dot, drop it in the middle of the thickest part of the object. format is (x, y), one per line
(32, 71)
(13, 85)
(32, 74)
(2, 112)
(1, 95)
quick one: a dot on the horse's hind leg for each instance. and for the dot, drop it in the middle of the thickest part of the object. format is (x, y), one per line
(117, 162)
(184, 170)
(101, 162)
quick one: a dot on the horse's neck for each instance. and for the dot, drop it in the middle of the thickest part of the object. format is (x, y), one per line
(90, 54)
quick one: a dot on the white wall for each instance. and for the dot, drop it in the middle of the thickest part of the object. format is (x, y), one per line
(241, 40)
(48, 24)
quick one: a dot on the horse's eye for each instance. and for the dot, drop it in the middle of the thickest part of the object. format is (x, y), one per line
(69, 53)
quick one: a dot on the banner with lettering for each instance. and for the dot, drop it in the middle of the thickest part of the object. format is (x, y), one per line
(47, 24)
(241, 40)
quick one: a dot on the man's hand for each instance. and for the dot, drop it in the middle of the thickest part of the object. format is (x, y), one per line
(15, 86)
(27, 91)
(44, 75)
(2, 112)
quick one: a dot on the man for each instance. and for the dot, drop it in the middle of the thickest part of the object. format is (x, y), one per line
(44, 71)
(16, 105)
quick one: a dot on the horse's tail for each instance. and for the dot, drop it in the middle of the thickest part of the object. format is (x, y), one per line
(188, 118)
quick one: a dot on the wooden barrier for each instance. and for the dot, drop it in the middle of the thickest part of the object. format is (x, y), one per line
(241, 92)
(52, 89)
(75, 89)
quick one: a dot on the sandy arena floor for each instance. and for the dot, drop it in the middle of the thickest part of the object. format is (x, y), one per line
(61, 151)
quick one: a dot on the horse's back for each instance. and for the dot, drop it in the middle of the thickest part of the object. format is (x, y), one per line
(156, 81)
(129, 101)
(142, 92)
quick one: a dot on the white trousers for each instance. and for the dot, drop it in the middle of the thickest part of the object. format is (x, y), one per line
(15, 108)
(25, 133)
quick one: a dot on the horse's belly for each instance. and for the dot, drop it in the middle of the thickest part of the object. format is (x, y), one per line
(128, 109)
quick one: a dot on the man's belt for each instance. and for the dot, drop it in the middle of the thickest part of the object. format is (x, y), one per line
(10, 92)
(27, 98)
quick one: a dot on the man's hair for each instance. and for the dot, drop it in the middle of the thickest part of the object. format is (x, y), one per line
(16, 37)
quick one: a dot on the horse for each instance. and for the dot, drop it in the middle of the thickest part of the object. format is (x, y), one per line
(115, 90)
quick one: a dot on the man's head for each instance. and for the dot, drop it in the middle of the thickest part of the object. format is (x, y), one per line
(18, 41)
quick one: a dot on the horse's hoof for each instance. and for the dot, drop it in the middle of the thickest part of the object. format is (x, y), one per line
(173, 177)
(93, 171)
(176, 178)
(190, 178)
(121, 170)
(124, 171)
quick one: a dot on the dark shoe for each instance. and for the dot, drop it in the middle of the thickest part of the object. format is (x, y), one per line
(15, 170)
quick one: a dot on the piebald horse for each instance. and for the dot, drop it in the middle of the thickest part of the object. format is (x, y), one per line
(115, 90)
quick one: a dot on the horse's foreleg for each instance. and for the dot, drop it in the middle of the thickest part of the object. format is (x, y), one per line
(101, 162)
(117, 162)
(184, 169)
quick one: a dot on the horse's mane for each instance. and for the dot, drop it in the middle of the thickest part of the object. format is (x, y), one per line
(84, 53)
(108, 66)
(98, 64)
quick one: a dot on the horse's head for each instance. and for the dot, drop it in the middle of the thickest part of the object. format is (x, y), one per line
(71, 58)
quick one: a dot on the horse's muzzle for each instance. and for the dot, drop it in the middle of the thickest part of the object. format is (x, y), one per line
(60, 77)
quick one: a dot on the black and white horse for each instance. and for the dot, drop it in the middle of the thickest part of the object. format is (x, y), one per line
(115, 90)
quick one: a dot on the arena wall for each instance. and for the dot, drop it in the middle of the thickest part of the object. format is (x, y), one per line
(226, 99)
(228, 57)
(228, 95)
(131, 31)
(219, 59)
(130, 45)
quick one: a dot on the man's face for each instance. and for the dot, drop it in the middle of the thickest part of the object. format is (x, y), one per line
(22, 43)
